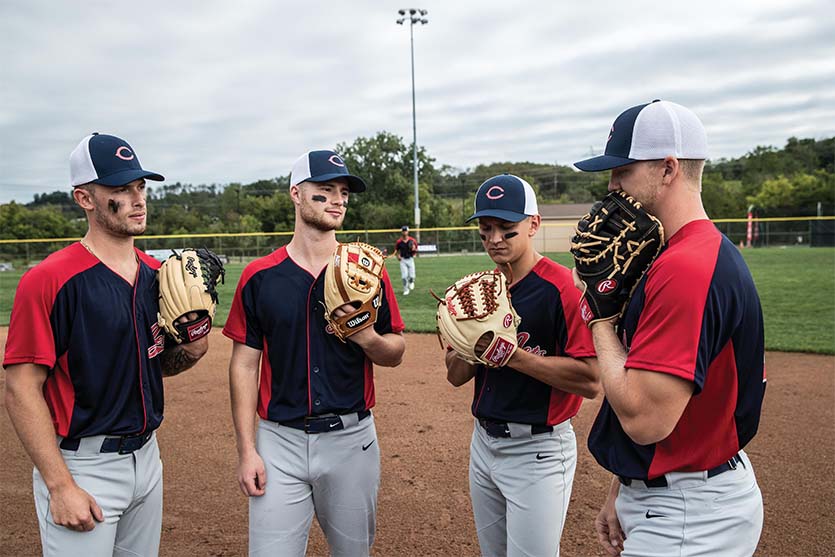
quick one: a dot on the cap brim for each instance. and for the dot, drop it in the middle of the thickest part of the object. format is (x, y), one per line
(603, 162)
(510, 216)
(128, 176)
(355, 184)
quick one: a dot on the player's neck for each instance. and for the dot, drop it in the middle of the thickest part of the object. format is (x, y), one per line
(311, 248)
(114, 251)
(685, 209)
(518, 269)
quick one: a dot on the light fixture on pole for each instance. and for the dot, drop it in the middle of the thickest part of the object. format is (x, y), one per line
(413, 15)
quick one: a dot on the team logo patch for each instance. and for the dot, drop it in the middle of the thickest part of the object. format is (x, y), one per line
(606, 286)
(495, 192)
(124, 153)
(336, 160)
(329, 329)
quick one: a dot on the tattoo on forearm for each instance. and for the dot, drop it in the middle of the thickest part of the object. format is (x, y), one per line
(176, 360)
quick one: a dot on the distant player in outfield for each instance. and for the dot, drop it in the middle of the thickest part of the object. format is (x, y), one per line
(523, 452)
(683, 370)
(406, 249)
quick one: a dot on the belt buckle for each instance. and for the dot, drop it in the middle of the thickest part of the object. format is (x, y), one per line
(307, 421)
(131, 443)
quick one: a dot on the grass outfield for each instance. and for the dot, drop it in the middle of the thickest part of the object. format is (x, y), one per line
(796, 286)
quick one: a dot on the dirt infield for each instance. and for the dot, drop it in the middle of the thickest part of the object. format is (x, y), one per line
(424, 429)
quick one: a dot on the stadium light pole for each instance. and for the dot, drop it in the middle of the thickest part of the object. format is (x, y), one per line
(414, 15)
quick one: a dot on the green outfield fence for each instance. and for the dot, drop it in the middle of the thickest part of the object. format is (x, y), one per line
(805, 231)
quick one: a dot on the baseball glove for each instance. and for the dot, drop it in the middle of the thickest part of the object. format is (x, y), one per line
(613, 246)
(187, 284)
(476, 305)
(353, 276)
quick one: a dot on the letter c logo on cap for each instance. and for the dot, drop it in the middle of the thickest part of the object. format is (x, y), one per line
(124, 153)
(336, 160)
(495, 192)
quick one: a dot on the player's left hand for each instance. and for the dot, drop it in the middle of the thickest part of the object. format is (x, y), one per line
(360, 337)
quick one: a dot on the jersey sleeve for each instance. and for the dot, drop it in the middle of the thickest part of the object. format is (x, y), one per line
(580, 343)
(388, 318)
(668, 334)
(31, 339)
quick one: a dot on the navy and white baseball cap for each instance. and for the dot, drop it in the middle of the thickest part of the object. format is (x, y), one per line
(505, 197)
(106, 160)
(321, 166)
(650, 132)
(404, 228)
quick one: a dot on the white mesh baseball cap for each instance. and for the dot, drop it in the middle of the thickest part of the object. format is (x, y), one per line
(649, 132)
(107, 160)
(323, 166)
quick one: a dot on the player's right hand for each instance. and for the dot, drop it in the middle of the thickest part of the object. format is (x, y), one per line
(74, 508)
(252, 476)
(609, 533)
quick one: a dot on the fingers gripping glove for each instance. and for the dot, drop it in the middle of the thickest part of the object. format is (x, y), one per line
(187, 284)
(477, 304)
(353, 276)
(614, 245)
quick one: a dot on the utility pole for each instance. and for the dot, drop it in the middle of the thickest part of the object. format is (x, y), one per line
(414, 16)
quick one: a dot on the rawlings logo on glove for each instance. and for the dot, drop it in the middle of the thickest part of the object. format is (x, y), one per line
(187, 284)
(353, 277)
(476, 306)
(614, 245)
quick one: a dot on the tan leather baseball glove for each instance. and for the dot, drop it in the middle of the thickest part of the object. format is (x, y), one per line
(187, 284)
(478, 305)
(353, 276)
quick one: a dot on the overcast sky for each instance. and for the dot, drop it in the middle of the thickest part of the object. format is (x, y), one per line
(215, 91)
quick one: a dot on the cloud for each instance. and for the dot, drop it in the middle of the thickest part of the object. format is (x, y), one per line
(215, 92)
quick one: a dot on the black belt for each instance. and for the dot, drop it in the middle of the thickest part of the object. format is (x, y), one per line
(321, 424)
(501, 429)
(661, 481)
(125, 444)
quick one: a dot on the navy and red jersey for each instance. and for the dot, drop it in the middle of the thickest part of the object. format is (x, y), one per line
(695, 315)
(548, 304)
(305, 369)
(406, 247)
(98, 336)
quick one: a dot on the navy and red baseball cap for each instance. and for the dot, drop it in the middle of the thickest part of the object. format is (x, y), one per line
(651, 131)
(106, 160)
(505, 197)
(322, 166)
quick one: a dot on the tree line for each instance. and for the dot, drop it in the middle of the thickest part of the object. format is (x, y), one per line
(789, 181)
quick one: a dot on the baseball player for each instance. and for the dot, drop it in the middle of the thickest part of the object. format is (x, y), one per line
(84, 366)
(523, 452)
(314, 446)
(406, 249)
(682, 372)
